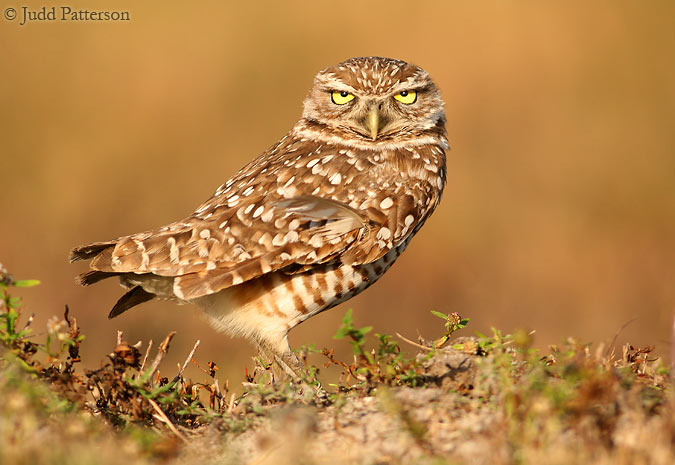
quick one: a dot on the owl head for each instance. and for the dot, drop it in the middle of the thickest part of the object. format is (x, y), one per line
(374, 100)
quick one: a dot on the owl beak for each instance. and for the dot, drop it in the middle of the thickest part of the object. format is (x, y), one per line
(373, 122)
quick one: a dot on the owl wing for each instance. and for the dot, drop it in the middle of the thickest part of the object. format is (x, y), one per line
(303, 231)
(310, 231)
(205, 255)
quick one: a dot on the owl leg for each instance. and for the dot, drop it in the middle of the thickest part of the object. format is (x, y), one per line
(293, 367)
(282, 355)
(290, 363)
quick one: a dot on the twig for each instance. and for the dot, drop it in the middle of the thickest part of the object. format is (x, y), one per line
(167, 422)
(231, 406)
(145, 357)
(414, 343)
(187, 360)
(161, 352)
(30, 320)
(119, 337)
(616, 335)
(218, 396)
(216, 387)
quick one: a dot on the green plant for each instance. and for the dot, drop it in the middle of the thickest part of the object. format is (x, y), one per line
(357, 335)
(10, 310)
(452, 322)
(385, 364)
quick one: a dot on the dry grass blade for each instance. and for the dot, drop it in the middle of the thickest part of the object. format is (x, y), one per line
(187, 360)
(420, 346)
(161, 352)
(145, 357)
(162, 416)
(230, 407)
(612, 345)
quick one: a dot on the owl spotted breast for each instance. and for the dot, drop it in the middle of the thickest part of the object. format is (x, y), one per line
(311, 222)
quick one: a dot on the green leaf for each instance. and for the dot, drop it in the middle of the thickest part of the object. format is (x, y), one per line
(347, 326)
(341, 333)
(439, 314)
(365, 330)
(26, 283)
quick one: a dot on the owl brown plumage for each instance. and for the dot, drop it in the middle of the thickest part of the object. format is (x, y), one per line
(313, 221)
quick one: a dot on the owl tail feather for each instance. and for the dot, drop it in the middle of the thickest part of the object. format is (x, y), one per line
(134, 297)
(93, 276)
(85, 252)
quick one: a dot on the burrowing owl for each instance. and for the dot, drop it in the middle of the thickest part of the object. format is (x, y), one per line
(311, 222)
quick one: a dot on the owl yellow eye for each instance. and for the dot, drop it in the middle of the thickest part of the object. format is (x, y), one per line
(340, 98)
(406, 96)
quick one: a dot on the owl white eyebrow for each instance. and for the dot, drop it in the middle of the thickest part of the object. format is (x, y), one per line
(411, 88)
(340, 88)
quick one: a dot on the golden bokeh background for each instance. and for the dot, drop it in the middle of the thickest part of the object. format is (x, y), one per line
(558, 216)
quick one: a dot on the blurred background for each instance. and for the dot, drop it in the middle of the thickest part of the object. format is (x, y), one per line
(558, 216)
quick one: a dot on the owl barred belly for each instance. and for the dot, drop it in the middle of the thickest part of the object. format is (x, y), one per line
(277, 302)
(311, 222)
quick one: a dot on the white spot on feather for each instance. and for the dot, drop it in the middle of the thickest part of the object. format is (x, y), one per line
(384, 234)
(173, 250)
(335, 179)
(236, 278)
(267, 216)
(279, 240)
(386, 203)
(290, 181)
